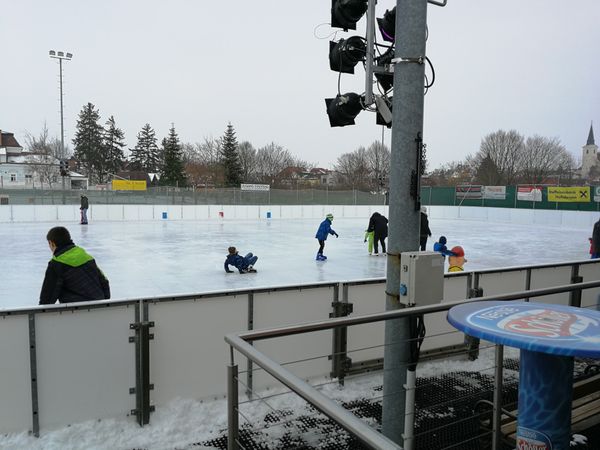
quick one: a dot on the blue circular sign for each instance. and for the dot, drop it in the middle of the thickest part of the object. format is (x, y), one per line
(539, 327)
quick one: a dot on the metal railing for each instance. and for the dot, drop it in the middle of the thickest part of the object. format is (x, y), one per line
(243, 343)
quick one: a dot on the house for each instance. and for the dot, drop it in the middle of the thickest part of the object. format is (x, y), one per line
(22, 169)
(296, 176)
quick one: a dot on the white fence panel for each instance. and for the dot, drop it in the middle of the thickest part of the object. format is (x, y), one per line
(5, 213)
(45, 213)
(280, 308)
(85, 365)
(188, 356)
(590, 298)
(22, 213)
(503, 282)
(15, 382)
(548, 277)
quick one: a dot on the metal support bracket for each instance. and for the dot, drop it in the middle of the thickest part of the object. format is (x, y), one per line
(417, 60)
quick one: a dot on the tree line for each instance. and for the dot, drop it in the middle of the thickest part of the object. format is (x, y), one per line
(508, 158)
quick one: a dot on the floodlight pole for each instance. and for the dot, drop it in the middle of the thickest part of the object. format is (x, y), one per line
(404, 215)
(370, 52)
(60, 56)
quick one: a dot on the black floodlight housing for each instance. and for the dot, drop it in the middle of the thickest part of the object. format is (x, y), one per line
(343, 109)
(345, 13)
(346, 53)
(384, 111)
(385, 79)
(387, 25)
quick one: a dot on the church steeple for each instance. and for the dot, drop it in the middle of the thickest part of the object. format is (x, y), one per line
(590, 140)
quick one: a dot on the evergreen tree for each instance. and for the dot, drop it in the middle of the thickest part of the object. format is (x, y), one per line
(230, 158)
(88, 142)
(146, 154)
(113, 147)
(172, 173)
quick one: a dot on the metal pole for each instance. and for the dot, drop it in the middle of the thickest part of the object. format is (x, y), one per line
(497, 409)
(62, 127)
(369, 56)
(232, 407)
(409, 78)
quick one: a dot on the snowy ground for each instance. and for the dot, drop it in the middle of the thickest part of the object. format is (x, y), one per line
(159, 258)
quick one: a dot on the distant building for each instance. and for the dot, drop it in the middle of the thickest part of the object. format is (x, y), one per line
(21, 169)
(296, 176)
(589, 158)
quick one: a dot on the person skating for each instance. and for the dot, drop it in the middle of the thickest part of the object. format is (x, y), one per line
(322, 233)
(85, 204)
(596, 241)
(378, 224)
(425, 232)
(244, 264)
(72, 274)
(440, 246)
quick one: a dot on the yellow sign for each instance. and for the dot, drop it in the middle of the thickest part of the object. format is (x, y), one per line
(569, 194)
(128, 185)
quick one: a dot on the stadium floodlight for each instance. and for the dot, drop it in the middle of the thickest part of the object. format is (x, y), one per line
(343, 109)
(346, 53)
(52, 53)
(387, 25)
(61, 56)
(345, 13)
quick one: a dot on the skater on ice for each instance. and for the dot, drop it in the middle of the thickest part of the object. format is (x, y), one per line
(440, 246)
(595, 243)
(245, 264)
(425, 232)
(378, 225)
(85, 204)
(72, 274)
(322, 233)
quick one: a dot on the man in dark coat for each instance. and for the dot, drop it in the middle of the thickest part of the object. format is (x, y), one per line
(596, 241)
(72, 274)
(85, 204)
(378, 224)
(425, 232)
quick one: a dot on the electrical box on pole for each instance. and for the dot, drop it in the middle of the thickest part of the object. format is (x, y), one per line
(421, 278)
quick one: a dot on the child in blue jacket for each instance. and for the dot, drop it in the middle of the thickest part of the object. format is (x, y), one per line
(440, 246)
(322, 233)
(244, 264)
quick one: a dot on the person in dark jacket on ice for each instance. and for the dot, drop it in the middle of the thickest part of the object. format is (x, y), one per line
(595, 242)
(72, 274)
(244, 264)
(378, 224)
(322, 233)
(425, 232)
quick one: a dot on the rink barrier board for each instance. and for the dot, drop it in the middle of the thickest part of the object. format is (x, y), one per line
(85, 361)
(126, 212)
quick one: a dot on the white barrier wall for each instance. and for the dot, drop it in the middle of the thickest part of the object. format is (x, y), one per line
(98, 212)
(86, 363)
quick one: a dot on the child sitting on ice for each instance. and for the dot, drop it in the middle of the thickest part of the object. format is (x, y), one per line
(244, 264)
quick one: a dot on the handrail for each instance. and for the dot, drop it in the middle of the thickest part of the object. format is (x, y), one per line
(242, 342)
(257, 335)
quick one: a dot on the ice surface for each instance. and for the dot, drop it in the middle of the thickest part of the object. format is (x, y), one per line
(143, 259)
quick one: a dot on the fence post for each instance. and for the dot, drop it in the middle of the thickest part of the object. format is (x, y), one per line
(340, 362)
(142, 367)
(232, 407)
(575, 296)
(249, 374)
(35, 418)
(497, 408)
(472, 343)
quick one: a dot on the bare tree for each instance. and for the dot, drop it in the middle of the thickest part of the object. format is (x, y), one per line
(502, 154)
(247, 158)
(270, 161)
(378, 159)
(353, 169)
(543, 157)
(43, 159)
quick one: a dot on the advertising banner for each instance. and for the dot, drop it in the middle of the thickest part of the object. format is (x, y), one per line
(255, 187)
(470, 192)
(569, 194)
(597, 194)
(128, 185)
(494, 192)
(529, 193)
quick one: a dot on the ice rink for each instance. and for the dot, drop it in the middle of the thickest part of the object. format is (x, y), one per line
(144, 259)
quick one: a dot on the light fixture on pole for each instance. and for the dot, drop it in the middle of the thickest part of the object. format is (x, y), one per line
(67, 57)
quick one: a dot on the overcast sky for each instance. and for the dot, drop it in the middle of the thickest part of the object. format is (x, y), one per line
(529, 65)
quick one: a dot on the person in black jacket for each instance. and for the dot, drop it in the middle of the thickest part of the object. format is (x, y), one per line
(378, 224)
(595, 250)
(85, 204)
(72, 274)
(425, 232)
